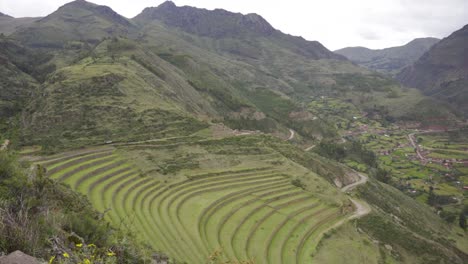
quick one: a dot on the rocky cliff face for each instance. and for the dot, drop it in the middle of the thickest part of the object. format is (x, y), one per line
(217, 24)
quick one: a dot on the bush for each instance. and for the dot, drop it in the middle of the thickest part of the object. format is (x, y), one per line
(298, 183)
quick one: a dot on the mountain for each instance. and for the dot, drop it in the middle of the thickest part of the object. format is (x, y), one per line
(175, 75)
(75, 23)
(442, 72)
(389, 60)
(221, 24)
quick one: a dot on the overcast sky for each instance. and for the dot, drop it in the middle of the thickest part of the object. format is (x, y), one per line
(335, 23)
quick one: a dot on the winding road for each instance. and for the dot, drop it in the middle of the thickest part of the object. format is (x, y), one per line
(362, 180)
(362, 208)
(292, 134)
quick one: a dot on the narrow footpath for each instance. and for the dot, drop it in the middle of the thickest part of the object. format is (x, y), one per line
(5, 145)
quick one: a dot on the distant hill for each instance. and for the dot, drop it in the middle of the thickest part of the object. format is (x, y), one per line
(9, 24)
(442, 72)
(390, 60)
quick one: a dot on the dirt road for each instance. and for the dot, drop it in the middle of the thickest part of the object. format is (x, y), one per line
(362, 208)
(292, 133)
(5, 145)
(349, 187)
(416, 146)
(310, 148)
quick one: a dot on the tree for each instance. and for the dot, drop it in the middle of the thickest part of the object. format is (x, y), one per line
(462, 220)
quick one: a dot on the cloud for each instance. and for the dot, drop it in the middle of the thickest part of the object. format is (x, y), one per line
(335, 23)
(369, 34)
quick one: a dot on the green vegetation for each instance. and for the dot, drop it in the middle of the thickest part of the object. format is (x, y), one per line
(415, 233)
(43, 218)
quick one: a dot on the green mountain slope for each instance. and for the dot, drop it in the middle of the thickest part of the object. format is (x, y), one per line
(19, 69)
(442, 72)
(389, 60)
(114, 96)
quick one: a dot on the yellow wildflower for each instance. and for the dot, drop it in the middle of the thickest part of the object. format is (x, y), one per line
(66, 255)
(91, 245)
(79, 245)
(110, 254)
(51, 260)
(86, 261)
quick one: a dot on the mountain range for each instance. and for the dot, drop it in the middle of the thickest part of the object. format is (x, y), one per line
(390, 60)
(172, 58)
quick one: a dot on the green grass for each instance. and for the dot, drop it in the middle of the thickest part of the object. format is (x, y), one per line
(347, 239)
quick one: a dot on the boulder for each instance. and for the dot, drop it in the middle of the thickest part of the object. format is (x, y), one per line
(18, 257)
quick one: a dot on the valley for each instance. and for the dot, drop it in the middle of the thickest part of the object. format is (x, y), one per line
(188, 135)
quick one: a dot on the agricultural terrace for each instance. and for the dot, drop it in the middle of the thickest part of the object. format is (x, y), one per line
(192, 199)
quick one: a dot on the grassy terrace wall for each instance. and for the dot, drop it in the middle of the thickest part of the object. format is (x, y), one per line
(248, 214)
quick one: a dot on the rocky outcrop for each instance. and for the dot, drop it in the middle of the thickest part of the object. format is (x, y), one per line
(18, 257)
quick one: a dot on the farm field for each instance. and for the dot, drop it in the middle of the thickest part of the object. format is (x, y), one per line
(443, 169)
(211, 201)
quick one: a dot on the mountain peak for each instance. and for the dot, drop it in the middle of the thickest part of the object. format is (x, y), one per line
(217, 23)
(167, 4)
(78, 20)
(106, 12)
(79, 3)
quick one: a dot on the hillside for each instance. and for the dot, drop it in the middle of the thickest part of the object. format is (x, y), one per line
(389, 60)
(17, 67)
(442, 72)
